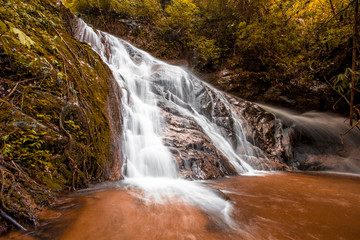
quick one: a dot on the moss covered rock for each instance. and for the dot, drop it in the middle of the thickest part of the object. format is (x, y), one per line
(54, 126)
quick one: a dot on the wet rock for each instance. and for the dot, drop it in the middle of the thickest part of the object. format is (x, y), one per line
(195, 154)
(264, 131)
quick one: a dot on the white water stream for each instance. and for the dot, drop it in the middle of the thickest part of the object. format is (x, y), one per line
(149, 164)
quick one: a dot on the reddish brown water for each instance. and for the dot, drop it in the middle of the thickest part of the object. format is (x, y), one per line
(276, 206)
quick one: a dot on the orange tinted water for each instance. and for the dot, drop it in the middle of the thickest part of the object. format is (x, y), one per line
(297, 206)
(275, 206)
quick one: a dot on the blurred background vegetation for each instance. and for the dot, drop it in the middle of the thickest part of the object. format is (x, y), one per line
(276, 40)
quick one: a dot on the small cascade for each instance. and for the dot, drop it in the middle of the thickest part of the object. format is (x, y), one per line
(150, 85)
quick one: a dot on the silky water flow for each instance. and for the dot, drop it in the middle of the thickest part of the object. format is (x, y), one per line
(148, 163)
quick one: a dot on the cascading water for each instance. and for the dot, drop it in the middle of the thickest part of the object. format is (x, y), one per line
(146, 83)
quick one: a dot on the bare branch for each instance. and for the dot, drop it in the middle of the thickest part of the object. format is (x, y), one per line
(11, 220)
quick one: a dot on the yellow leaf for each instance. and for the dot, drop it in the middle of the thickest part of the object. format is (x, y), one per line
(24, 39)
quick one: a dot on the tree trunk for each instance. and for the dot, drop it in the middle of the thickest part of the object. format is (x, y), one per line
(354, 62)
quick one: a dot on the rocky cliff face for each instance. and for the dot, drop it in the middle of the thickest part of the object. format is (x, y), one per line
(56, 102)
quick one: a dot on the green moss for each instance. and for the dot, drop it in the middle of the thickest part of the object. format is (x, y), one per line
(53, 123)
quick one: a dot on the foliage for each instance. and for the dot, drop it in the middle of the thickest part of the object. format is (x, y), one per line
(178, 25)
(205, 50)
(342, 82)
(29, 149)
(79, 6)
(149, 9)
(181, 14)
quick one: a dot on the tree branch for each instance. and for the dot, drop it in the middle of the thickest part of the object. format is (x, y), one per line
(342, 10)
(11, 220)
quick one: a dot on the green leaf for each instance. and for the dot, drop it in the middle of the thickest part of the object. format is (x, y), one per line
(24, 39)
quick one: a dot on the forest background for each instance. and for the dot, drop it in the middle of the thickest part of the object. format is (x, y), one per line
(259, 42)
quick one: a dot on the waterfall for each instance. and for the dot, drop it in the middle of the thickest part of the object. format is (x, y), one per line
(148, 83)
(144, 152)
(145, 81)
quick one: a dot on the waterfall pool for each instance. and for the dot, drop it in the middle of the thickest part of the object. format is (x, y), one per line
(272, 206)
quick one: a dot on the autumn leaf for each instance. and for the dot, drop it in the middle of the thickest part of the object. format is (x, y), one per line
(23, 38)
